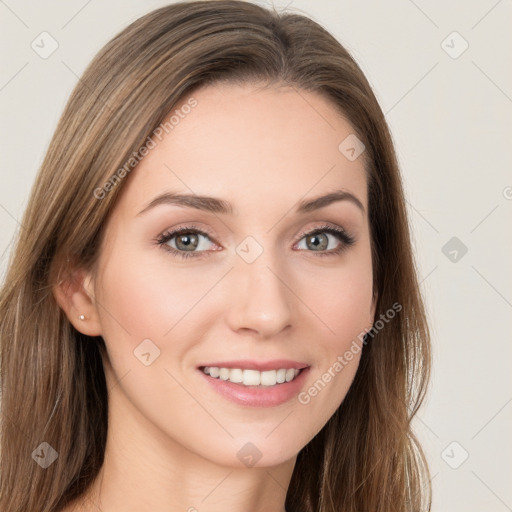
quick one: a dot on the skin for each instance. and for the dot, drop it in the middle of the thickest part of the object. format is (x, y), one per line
(172, 440)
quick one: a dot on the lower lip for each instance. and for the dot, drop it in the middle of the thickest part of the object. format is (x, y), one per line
(258, 396)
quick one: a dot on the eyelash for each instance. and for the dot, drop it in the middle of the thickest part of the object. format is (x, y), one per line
(345, 239)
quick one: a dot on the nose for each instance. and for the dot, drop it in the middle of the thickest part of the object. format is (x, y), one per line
(260, 299)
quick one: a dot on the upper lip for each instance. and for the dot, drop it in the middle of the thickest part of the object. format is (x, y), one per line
(249, 364)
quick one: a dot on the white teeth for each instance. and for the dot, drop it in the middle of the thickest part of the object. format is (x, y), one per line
(236, 375)
(268, 378)
(252, 377)
(290, 374)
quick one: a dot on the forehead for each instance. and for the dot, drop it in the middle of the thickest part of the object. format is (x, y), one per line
(249, 144)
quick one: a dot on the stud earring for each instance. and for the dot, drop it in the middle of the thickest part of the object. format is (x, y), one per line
(81, 317)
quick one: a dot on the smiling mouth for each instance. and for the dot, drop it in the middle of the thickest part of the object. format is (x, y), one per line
(252, 378)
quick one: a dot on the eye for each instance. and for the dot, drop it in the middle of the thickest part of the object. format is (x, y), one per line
(185, 242)
(322, 239)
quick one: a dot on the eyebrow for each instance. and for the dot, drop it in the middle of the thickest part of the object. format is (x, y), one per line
(217, 205)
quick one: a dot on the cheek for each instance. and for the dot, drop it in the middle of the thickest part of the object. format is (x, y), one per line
(145, 295)
(341, 299)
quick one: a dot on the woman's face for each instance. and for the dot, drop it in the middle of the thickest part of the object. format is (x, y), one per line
(253, 282)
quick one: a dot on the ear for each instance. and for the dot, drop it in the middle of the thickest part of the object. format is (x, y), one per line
(75, 295)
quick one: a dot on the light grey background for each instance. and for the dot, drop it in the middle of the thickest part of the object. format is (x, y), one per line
(450, 115)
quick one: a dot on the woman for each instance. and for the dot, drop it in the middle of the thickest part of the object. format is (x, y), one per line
(213, 301)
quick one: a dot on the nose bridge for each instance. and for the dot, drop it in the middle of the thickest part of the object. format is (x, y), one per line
(260, 299)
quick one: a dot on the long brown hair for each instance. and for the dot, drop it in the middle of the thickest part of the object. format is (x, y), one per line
(366, 458)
